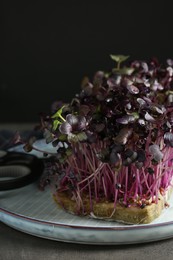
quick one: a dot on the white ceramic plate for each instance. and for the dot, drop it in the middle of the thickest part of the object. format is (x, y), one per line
(33, 211)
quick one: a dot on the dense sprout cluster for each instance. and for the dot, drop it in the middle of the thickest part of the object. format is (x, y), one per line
(116, 135)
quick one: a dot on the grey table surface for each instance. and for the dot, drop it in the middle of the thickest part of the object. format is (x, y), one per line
(17, 245)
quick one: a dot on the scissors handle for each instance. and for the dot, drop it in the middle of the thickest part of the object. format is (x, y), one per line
(20, 168)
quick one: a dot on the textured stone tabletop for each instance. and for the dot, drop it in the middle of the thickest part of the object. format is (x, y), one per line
(18, 245)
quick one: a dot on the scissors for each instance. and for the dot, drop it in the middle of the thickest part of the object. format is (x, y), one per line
(18, 169)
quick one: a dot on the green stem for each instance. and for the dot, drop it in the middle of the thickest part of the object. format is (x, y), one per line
(118, 65)
(60, 116)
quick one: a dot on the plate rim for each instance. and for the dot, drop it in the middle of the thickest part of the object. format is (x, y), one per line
(101, 228)
(122, 227)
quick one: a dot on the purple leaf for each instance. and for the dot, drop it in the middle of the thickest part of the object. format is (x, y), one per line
(160, 110)
(114, 158)
(125, 119)
(141, 122)
(156, 85)
(170, 62)
(99, 127)
(170, 99)
(72, 120)
(122, 120)
(65, 128)
(168, 139)
(81, 122)
(149, 118)
(148, 100)
(132, 89)
(155, 152)
(84, 110)
(113, 82)
(98, 78)
(141, 155)
(123, 136)
(144, 66)
(170, 71)
(128, 106)
(141, 102)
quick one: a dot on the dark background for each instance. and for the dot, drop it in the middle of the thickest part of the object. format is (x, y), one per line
(48, 47)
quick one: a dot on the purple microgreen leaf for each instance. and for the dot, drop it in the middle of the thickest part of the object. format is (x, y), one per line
(170, 71)
(144, 66)
(170, 62)
(114, 158)
(141, 102)
(99, 127)
(84, 110)
(157, 86)
(168, 139)
(128, 106)
(132, 89)
(160, 110)
(141, 155)
(170, 118)
(147, 83)
(139, 165)
(170, 99)
(168, 124)
(122, 120)
(148, 100)
(103, 155)
(91, 137)
(81, 123)
(113, 82)
(88, 90)
(85, 82)
(149, 118)
(72, 119)
(75, 102)
(123, 136)
(125, 119)
(98, 78)
(155, 152)
(141, 122)
(65, 128)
